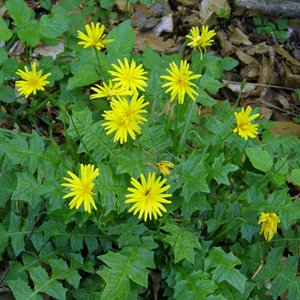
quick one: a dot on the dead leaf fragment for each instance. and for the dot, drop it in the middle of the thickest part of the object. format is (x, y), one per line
(52, 51)
(286, 55)
(165, 25)
(239, 38)
(260, 48)
(245, 58)
(285, 128)
(208, 7)
(236, 86)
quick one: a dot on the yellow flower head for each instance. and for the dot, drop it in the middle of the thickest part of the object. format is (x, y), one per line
(203, 40)
(268, 223)
(129, 75)
(148, 196)
(244, 127)
(82, 187)
(110, 91)
(163, 166)
(179, 81)
(94, 37)
(125, 117)
(32, 82)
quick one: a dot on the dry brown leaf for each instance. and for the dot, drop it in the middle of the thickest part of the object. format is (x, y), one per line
(208, 7)
(227, 47)
(250, 71)
(239, 38)
(236, 86)
(266, 69)
(149, 38)
(283, 101)
(245, 58)
(265, 113)
(285, 128)
(260, 48)
(52, 51)
(286, 55)
(291, 80)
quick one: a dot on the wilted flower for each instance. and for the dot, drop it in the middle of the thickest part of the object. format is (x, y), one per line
(148, 196)
(268, 223)
(32, 82)
(244, 127)
(163, 166)
(82, 187)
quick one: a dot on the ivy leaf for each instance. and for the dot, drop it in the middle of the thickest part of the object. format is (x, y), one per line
(196, 285)
(260, 159)
(182, 241)
(287, 279)
(220, 172)
(121, 268)
(223, 268)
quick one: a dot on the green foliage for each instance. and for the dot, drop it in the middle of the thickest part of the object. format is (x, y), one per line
(279, 27)
(207, 245)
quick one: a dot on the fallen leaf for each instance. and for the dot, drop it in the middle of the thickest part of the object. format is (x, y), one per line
(239, 38)
(282, 100)
(227, 47)
(165, 25)
(50, 50)
(285, 128)
(286, 55)
(265, 72)
(245, 58)
(236, 86)
(221, 8)
(260, 48)
(250, 71)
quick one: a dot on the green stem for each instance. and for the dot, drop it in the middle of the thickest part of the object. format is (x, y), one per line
(100, 69)
(185, 129)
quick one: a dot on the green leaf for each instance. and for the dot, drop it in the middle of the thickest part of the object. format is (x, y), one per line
(107, 3)
(96, 140)
(29, 34)
(52, 26)
(205, 99)
(22, 291)
(19, 11)
(210, 84)
(154, 138)
(223, 268)
(16, 236)
(3, 238)
(192, 175)
(229, 63)
(124, 40)
(7, 94)
(196, 285)
(182, 241)
(107, 189)
(287, 279)
(132, 162)
(121, 268)
(5, 33)
(220, 171)
(8, 183)
(260, 159)
(295, 177)
(42, 283)
(27, 189)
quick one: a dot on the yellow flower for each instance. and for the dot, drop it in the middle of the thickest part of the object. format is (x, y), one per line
(110, 91)
(130, 76)
(95, 36)
(180, 81)
(269, 223)
(82, 187)
(148, 196)
(244, 127)
(125, 117)
(201, 41)
(163, 166)
(32, 82)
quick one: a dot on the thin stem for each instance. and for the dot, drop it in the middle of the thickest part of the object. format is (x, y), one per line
(101, 73)
(185, 129)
